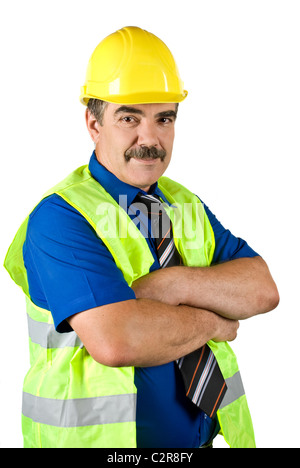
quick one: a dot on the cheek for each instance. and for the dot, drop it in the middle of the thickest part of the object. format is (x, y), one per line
(167, 138)
(123, 140)
(168, 146)
(117, 144)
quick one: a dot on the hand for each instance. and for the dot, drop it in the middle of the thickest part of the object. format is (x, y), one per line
(226, 329)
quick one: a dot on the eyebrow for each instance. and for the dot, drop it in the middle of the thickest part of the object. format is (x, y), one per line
(166, 114)
(133, 110)
(128, 110)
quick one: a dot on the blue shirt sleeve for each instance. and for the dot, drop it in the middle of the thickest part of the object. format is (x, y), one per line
(69, 268)
(228, 247)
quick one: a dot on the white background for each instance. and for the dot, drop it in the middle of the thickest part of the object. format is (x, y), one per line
(237, 146)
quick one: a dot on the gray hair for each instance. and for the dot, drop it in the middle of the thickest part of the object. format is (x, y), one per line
(97, 108)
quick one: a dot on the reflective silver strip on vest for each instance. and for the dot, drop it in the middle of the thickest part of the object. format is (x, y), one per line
(235, 390)
(46, 336)
(80, 412)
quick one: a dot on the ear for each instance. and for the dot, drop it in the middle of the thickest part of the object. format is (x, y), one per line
(93, 126)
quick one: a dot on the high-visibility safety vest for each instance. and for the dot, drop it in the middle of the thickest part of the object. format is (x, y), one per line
(69, 399)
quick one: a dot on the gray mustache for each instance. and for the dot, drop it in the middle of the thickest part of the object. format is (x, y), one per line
(145, 152)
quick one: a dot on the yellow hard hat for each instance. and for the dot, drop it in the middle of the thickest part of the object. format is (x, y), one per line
(132, 66)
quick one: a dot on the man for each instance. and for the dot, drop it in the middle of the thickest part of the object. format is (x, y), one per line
(111, 328)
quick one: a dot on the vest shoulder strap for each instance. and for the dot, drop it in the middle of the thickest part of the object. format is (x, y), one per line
(193, 234)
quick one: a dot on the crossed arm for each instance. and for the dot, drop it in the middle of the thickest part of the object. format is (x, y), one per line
(236, 290)
(176, 311)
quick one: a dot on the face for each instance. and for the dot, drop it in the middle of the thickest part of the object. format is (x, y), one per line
(135, 142)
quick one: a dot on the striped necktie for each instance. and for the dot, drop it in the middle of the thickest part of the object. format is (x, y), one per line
(203, 381)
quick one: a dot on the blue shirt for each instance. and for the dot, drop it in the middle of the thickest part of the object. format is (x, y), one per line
(70, 270)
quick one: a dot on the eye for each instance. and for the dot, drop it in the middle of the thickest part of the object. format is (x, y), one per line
(128, 120)
(166, 121)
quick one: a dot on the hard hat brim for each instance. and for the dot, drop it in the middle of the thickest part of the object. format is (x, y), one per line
(134, 99)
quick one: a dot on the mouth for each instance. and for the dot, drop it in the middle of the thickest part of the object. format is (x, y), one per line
(147, 161)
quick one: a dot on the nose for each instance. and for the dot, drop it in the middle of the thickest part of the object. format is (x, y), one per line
(147, 134)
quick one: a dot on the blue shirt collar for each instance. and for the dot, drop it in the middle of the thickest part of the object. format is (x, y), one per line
(116, 187)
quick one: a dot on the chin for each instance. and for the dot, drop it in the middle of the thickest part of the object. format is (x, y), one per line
(144, 180)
